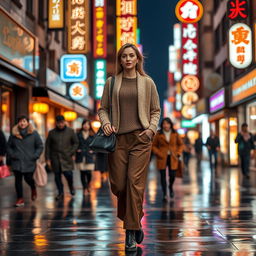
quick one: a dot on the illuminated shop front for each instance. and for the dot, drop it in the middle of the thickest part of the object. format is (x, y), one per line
(224, 123)
(243, 99)
(18, 70)
(55, 100)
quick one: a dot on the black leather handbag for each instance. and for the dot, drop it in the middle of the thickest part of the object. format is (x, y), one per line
(102, 143)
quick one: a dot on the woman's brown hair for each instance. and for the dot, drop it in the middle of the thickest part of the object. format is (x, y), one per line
(139, 66)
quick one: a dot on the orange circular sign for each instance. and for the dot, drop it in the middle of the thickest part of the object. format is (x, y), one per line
(189, 11)
(190, 83)
(188, 112)
(189, 98)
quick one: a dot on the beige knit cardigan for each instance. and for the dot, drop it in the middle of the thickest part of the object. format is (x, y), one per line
(148, 103)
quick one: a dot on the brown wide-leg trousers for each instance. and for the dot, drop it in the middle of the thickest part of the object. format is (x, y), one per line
(128, 167)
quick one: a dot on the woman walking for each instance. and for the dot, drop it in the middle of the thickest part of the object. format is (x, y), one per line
(84, 156)
(24, 147)
(167, 146)
(136, 113)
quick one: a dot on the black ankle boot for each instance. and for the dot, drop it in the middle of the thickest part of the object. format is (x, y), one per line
(139, 236)
(130, 242)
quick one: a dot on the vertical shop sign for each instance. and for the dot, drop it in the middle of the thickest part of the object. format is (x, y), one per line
(100, 77)
(240, 45)
(78, 26)
(190, 49)
(99, 29)
(126, 12)
(177, 45)
(55, 14)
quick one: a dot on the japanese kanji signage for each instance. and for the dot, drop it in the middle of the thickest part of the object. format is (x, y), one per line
(100, 77)
(55, 14)
(73, 68)
(77, 91)
(126, 11)
(190, 49)
(189, 11)
(240, 45)
(99, 29)
(78, 26)
(237, 9)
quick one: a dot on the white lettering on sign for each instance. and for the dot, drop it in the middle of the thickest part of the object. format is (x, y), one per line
(251, 83)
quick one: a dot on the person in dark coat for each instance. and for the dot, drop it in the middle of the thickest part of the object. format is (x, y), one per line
(84, 155)
(199, 148)
(2, 146)
(213, 145)
(60, 150)
(186, 150)
(245, 146)
(24, 147)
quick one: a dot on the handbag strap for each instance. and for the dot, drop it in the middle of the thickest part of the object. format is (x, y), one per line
(110, 96)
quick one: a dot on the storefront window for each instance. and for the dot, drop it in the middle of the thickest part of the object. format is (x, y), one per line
(223, 132)
(251, 117)
(6, 112)
(38, 120)
(50, 121)
(233, 130)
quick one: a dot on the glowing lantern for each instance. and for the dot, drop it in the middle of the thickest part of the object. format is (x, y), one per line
(41, 108)
(4, 108)
(70, 116)
(96, 125)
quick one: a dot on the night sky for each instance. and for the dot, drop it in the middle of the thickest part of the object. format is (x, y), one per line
(156, 19)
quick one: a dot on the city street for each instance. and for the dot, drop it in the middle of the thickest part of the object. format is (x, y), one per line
(210, 215)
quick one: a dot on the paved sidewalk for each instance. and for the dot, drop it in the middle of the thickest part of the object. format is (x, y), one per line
(213, 213)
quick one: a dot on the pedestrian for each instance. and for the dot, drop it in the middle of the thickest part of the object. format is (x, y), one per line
(136, 113)
(84, 155)
(2, 146)
(245, 146)
(186, 150)
(167, 146)
(101, 165)
(60, 150)
(213, 145)
(24, 147)
(199, 148)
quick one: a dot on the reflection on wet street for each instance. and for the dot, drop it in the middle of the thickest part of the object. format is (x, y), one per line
(213, 213)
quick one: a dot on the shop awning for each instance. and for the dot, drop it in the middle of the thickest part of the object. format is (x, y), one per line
(217, 116)
(44, 94)
(81, 110)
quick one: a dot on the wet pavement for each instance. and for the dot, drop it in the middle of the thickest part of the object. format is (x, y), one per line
(213, 213)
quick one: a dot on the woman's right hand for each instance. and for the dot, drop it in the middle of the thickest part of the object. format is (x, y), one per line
(109, 129)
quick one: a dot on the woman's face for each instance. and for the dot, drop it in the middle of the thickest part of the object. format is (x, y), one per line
(129, 59)
(166, 126)
(23, 123)
(86, 126)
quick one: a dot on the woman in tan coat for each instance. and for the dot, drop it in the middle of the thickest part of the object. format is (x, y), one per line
(136, 113)
(167, 146)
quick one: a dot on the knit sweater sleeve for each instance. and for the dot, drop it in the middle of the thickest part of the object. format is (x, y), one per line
(155, 109)
(103, 111)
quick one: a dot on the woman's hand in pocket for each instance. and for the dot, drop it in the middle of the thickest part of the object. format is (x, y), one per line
(147, 132)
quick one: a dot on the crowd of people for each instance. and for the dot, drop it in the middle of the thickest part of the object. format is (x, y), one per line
(135, 126)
